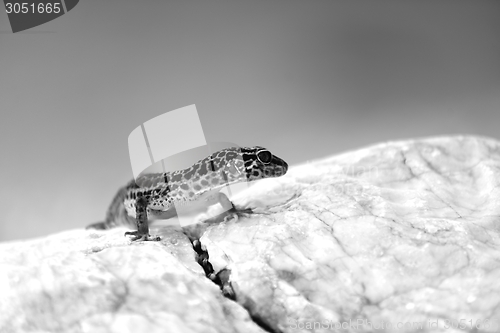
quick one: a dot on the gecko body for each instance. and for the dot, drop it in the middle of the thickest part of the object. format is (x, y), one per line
(154, 196)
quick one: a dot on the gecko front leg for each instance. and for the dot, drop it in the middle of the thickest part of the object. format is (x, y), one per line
(141, 219)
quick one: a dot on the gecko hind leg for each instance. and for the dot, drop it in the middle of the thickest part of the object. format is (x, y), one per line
(141, 219)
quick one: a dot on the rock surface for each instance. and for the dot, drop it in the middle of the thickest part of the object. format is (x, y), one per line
(398, 237)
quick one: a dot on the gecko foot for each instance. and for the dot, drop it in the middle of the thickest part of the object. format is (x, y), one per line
(139, 237)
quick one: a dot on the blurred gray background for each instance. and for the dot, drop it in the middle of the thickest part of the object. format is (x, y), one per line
(306, 79)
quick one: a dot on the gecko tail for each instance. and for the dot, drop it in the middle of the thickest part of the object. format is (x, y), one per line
(116, 214)
(98, 226)
(113, 222)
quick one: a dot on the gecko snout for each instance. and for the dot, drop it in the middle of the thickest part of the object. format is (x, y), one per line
(280, 167)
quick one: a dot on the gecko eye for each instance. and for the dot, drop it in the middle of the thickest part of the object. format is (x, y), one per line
(264, 156)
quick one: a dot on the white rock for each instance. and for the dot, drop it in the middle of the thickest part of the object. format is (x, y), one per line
(398, 237)
(399, 233)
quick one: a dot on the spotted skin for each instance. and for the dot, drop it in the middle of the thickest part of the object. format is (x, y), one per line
(160, 192)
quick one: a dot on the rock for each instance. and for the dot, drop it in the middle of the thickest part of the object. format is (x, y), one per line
(95, 281)
(398, 237)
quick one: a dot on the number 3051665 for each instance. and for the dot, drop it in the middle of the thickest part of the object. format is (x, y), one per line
(26, 7)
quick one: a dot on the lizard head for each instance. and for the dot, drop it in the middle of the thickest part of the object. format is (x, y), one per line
(253, 163)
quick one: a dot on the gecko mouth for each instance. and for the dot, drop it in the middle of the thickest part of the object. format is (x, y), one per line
(285, 167)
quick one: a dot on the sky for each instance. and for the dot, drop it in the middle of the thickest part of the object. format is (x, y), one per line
(306, 79)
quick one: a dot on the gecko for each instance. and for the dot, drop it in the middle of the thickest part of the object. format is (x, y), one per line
(155, 195)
